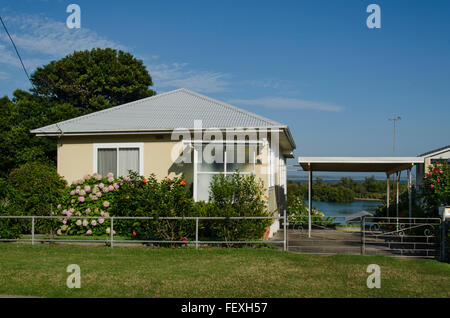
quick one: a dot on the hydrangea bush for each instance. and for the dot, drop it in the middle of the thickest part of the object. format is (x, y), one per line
(91, 196)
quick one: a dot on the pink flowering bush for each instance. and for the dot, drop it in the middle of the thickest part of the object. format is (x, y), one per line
(88, 197)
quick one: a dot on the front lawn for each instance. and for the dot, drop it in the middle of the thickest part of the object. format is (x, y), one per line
(184, 272)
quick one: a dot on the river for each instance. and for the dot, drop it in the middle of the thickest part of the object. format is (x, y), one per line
(345, 209)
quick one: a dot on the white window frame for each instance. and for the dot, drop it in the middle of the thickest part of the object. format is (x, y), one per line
(117, 146)
(224, 172)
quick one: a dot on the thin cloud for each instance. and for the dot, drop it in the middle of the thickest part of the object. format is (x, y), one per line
(288, 103)
(177, 75)
(41, 39)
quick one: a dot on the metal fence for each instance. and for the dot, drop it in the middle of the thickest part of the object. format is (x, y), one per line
(365, 235)
(416, 237)
(111, 241)
(369, 235)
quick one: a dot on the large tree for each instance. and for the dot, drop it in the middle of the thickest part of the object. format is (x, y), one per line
(93, 80)
(18, 116)
(77, 84)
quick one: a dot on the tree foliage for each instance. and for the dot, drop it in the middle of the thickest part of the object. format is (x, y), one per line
(93, 80)
(35, 188)
(76, 85)
(345, 190)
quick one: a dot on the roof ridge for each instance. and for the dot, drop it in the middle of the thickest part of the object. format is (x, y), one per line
(235, 108)
(107, 110)
(433, 151)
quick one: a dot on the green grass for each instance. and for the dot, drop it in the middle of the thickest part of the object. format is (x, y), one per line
(184, 272)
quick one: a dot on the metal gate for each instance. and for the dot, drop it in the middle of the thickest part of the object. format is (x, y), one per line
(419, 237)
(367, 235)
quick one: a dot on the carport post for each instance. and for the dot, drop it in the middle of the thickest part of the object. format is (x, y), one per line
(309, 200)
(409, 193)
(388, 190)
(396, 199)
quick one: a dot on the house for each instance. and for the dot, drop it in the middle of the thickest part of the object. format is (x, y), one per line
(179, 132)
(430, 157)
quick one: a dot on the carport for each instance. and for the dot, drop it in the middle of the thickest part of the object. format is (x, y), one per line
(388, 165)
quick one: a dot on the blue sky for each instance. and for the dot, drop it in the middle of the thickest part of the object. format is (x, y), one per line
(313, 65)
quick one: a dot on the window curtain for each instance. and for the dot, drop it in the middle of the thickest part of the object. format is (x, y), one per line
(128, 160)
(107, 161)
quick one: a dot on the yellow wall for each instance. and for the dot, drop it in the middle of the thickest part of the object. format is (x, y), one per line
(75, 155)
(75, 159)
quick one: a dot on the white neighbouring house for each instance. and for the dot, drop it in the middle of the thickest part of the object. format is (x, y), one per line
(430, 157)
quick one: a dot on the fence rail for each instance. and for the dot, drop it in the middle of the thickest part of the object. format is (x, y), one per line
(366, 235)
(111, 239)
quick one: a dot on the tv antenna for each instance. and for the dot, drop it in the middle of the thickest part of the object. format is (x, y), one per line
(395, 119)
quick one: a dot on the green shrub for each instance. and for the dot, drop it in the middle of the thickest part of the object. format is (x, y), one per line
(298, 214)
(435, 189)
(149, 197)
(34, 189)
(236, 195)
(9, 228)
(403, 206)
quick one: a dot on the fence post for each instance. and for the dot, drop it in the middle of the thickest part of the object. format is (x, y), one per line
(363, 235)
(112, 232)
(196, 233)
(32, 230)
(285, 231)
(443, 238)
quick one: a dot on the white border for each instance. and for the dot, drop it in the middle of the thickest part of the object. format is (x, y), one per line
(118, 145)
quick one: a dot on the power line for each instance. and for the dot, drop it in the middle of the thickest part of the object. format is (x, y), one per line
(17, 51)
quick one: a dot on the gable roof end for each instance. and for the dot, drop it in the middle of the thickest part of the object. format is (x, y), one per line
(435, 151)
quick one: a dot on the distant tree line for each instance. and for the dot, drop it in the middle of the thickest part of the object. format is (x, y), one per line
(345, 190)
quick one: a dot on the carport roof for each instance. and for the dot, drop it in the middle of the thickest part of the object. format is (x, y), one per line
(359, 164)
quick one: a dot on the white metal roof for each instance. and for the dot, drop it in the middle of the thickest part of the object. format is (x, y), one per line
(359, 164)
(435, 151)
(163, 112)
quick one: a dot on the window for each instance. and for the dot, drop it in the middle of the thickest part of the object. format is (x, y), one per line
(441, 160)
(118, 158)
(225, 159)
